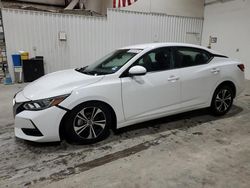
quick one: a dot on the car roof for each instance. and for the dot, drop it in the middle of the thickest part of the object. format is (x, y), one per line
(169, 44)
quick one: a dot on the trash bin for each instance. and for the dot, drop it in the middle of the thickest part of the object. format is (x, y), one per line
(33, 69)
(17, 65)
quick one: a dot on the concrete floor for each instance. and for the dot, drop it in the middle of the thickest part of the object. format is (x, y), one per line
(188, 150)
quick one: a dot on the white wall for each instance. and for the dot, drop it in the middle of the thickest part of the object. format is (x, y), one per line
(230, 22)
(88, 38)
(191, 8)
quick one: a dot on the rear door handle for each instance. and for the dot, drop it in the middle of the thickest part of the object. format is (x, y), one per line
(173, 78)
(215, 70)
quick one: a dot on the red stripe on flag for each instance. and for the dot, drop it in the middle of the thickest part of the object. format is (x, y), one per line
(123, 3)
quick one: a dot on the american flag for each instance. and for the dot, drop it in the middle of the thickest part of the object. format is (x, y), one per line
(122, 3)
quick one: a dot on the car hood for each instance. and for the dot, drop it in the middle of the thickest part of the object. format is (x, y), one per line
(58, 83)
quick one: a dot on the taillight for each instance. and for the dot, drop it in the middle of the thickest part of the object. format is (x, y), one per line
(241, 67)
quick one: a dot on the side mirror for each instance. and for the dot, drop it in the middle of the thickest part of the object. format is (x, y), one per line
(137, 71)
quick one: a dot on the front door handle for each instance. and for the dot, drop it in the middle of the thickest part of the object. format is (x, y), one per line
(215, 70)
(173, 78)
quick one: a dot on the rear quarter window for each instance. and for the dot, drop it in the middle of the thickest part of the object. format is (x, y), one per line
(186, 57)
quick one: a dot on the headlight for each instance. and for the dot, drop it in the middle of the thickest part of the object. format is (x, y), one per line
(14, 100)
(44, 103)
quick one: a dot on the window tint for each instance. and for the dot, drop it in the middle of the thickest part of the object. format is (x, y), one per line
(110, 63)
(117, 61)
(186, 57)
(156, 60)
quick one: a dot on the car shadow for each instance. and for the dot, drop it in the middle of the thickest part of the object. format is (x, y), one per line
(196, 117)
(182, 121)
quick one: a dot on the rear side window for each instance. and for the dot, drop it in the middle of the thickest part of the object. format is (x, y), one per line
(187, 57)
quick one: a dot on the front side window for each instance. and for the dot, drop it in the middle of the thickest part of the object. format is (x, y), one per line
(156, 60)
(110, 63)
(186, 57)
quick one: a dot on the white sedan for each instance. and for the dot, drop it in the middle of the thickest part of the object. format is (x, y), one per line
(128, 86)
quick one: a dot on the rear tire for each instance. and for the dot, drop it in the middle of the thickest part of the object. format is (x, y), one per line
(88, 123)
(222, 100)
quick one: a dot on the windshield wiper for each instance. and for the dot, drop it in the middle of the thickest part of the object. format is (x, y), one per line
(84, 71)
(92, 72)
(81, 69)
(89, 72)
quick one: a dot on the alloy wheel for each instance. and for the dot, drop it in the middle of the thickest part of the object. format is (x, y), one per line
(89, 123)
(223, 100)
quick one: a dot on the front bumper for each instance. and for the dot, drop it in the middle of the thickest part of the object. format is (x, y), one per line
(39, 126)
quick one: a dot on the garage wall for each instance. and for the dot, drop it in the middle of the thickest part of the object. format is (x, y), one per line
(89, 38)
(230, 23)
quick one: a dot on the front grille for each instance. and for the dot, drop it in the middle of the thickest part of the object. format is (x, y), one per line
(18, 108)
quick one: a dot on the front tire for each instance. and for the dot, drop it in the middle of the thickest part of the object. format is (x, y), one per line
(222, 100)
(88, 123)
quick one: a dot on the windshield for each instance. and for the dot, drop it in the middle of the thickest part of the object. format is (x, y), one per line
(111, 63)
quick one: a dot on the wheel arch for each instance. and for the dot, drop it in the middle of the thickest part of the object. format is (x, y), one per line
(228, 83)
(63, 121)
